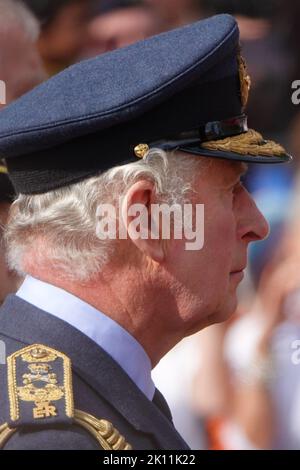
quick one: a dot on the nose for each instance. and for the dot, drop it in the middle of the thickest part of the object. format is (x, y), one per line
(252, 225)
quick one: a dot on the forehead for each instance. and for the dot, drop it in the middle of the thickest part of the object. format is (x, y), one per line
(234, 169)
(226, 171)
(216, 176)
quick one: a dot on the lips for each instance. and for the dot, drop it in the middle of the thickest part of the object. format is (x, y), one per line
(238, 271)
(238, 274)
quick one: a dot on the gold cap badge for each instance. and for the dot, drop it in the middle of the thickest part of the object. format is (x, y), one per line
(141, 149)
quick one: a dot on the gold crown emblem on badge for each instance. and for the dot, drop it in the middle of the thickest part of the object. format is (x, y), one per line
(38, 355)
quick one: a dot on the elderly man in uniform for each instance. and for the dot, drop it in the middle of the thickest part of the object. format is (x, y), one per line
(161, 121)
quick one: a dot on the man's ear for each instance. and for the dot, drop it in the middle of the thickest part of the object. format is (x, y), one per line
(136, 218)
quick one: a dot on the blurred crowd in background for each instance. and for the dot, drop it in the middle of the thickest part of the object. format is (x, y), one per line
(234, 385)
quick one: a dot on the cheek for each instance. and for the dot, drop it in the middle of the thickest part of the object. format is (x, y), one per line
(209, 267)
(220, 236)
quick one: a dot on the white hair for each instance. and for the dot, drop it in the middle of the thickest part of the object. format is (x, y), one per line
(15, 15)
(65, 219)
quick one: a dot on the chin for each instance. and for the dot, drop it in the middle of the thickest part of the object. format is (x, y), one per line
(224, 311)
(212, 315)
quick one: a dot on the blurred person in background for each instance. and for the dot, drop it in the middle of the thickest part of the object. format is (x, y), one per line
(20, 69)
(175, 13)
(184, 357)
(118, 23)
(20, 65)
(63, 30)
(290, 27)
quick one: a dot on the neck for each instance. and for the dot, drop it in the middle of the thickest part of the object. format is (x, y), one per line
(127, 303)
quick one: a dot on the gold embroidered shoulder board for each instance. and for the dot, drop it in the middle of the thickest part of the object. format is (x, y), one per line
(40, 394)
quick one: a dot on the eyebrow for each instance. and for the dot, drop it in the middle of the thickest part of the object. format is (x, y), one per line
(241, 171)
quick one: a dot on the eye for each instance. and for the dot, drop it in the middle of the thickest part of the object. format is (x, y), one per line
(237, 187)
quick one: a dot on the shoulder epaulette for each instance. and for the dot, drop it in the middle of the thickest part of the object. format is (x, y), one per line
(40, 394)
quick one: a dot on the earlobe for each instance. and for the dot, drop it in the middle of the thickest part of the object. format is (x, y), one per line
(153, 249)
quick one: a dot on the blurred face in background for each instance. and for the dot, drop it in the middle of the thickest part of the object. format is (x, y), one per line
(119, 28)
(174, 13)
(20, 64)
(167, 5)
(62, 39)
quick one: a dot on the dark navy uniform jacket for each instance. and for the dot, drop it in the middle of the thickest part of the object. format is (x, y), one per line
(101, 388)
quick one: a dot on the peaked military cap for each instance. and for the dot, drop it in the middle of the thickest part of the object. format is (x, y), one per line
(185, 89)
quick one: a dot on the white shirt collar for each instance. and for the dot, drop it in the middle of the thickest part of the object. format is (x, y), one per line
(104, 331)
